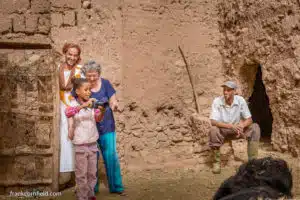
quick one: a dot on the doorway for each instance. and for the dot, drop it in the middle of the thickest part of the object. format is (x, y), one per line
(260, 107)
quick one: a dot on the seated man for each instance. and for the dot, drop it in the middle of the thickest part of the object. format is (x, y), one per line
(230, 115)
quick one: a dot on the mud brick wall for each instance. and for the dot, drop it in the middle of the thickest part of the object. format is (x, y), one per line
(268, 36)
(27, 142)
(136, 42)
(25, 19)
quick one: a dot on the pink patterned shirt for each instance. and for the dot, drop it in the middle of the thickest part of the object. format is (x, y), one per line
(85, 130)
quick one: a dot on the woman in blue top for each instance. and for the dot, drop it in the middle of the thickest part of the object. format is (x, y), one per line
(103, 91)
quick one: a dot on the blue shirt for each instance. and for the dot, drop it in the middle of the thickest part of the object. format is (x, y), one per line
(106, 91)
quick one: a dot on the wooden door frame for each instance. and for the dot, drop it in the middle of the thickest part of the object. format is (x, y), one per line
(56, 104)
(56, 132)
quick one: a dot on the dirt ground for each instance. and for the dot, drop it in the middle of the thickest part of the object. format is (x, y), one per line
(185, 183)
(160, 184)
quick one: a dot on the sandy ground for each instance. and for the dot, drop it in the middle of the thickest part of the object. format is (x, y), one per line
(164, 185)
(176, 184)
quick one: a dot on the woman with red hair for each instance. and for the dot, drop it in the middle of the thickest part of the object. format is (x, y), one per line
(69, 69)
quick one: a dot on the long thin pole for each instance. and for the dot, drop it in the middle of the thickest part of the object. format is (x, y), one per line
(191, 80)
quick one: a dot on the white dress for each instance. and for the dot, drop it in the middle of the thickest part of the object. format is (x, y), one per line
(67, 155)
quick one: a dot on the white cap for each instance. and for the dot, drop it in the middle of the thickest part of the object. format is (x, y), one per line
(230, 84)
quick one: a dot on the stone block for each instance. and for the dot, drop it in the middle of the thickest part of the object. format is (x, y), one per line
(137, 145)
(86, 4)
(56, 19)
(11, 6)
(24, 168)
(6, 167)
(66, 3)
(40, 6)
(45, 90)
(161, 137)
(25, 132)
(177, 137)
(31, 23)
(151, 158)
(150, 134)
(240, 150)
(43, 132)
(82, 17)
(161, 144)
(44, 24)
(44, 167)
(200, 127)
(31, 98)
(69, 18)
(18, 23)
(5, 24)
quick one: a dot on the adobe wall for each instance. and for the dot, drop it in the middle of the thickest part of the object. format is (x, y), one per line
(137, 42)
(266, 33)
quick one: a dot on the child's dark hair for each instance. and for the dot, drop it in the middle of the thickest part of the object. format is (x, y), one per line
(77, 83)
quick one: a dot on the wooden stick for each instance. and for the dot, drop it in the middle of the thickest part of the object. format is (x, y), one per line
(24, 45)
(191, 80)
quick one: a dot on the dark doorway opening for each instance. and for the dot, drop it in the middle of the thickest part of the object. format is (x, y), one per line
(259, 106)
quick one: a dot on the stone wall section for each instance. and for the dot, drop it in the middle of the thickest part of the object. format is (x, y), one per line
(22, 19)
(28, 148)
(266, 33)
(136, 42)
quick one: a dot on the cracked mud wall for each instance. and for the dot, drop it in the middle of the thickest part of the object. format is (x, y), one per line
(267, 34)
(137, 44)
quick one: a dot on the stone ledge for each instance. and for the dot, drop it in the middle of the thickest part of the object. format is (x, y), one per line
(178, 164)
(19, 37)
(29, 182)
(25, 151)
(66, 3)
(30, 113)
(6, 44)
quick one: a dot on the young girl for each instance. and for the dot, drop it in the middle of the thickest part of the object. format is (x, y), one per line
(84, 135)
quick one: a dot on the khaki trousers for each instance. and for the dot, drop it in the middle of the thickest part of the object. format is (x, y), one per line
(218, 135)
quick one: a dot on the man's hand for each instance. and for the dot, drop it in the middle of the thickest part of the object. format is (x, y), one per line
(238, 129)
(234, 127)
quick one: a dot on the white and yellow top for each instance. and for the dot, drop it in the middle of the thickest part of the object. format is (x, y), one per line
(65, 96)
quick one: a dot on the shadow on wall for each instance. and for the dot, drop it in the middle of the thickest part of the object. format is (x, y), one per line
(259, 106)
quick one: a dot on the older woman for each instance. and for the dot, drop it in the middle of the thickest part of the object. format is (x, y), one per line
(103, 91)
(67, 70)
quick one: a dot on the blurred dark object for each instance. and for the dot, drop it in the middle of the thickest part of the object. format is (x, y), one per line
(264, 178)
